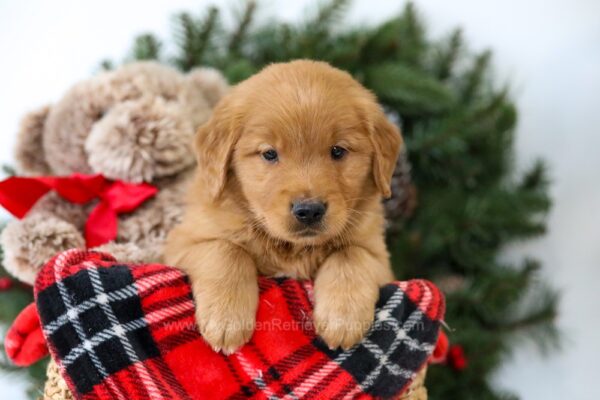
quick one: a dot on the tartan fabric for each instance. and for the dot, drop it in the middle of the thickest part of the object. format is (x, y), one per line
(128, 332)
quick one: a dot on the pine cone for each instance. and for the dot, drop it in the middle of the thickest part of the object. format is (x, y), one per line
(451, 283)
(404, 194)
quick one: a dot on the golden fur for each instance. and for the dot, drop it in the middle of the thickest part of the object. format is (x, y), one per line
(238, 222)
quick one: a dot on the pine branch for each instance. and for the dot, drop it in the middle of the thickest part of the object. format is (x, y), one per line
(193, 37)
(536, 178)
(146, 47)
(413, 35)
(400, 39)
(535, 320)
(546, 315)
(448, 55)
(328, 13)
(312, 38)
(383, 42)
(106, 65)
(474, 78)
(237, 37)
(8, 170)
(408, 89)
(185, 37)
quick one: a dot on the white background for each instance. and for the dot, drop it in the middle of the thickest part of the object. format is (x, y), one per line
(549, 51)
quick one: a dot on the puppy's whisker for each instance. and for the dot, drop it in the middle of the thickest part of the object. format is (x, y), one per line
(363, 212)
(360, 198)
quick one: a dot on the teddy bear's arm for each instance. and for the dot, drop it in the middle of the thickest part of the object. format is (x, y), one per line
(134, 253)
(32, 241)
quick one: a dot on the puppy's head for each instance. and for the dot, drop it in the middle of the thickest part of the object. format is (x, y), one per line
(305, 143)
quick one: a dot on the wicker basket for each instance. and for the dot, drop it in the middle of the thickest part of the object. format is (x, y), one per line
(56, 388)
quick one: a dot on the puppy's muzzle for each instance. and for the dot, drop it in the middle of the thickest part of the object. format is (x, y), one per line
(309, 212)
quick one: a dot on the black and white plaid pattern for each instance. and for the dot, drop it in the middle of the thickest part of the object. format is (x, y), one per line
(128, 332)
(104, 329)
(375, 358)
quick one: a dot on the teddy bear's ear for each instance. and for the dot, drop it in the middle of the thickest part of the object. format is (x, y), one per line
(210, 83)
(29, 151)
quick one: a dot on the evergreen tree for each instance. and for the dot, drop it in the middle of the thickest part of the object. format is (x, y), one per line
(465, 202)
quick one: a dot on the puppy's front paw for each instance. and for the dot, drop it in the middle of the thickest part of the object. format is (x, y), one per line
(341, 321)
(227, 323)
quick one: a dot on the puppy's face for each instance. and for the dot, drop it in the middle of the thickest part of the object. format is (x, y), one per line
(303, 168)
(306, 144)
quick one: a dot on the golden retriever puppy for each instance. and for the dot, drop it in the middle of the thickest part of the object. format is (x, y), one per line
(292, 167)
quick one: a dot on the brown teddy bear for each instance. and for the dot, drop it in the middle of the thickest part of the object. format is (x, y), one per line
(133, 124)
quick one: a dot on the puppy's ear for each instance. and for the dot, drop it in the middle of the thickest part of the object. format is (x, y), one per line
(387, 141)
(214, 144)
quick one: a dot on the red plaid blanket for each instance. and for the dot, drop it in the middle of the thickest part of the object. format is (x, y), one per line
(128, 332)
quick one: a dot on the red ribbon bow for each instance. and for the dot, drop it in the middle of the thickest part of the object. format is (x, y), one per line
(19, 194)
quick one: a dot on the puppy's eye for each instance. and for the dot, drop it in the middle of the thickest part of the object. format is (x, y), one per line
(337, 152)
(269, 156)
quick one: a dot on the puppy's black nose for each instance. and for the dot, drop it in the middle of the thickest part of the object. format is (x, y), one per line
(308, 212)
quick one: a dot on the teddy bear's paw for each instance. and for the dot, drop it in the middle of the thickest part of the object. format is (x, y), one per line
(132, 253)
(29, 243)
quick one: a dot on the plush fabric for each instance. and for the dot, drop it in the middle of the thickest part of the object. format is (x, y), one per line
(128, 332)
(133, 124)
